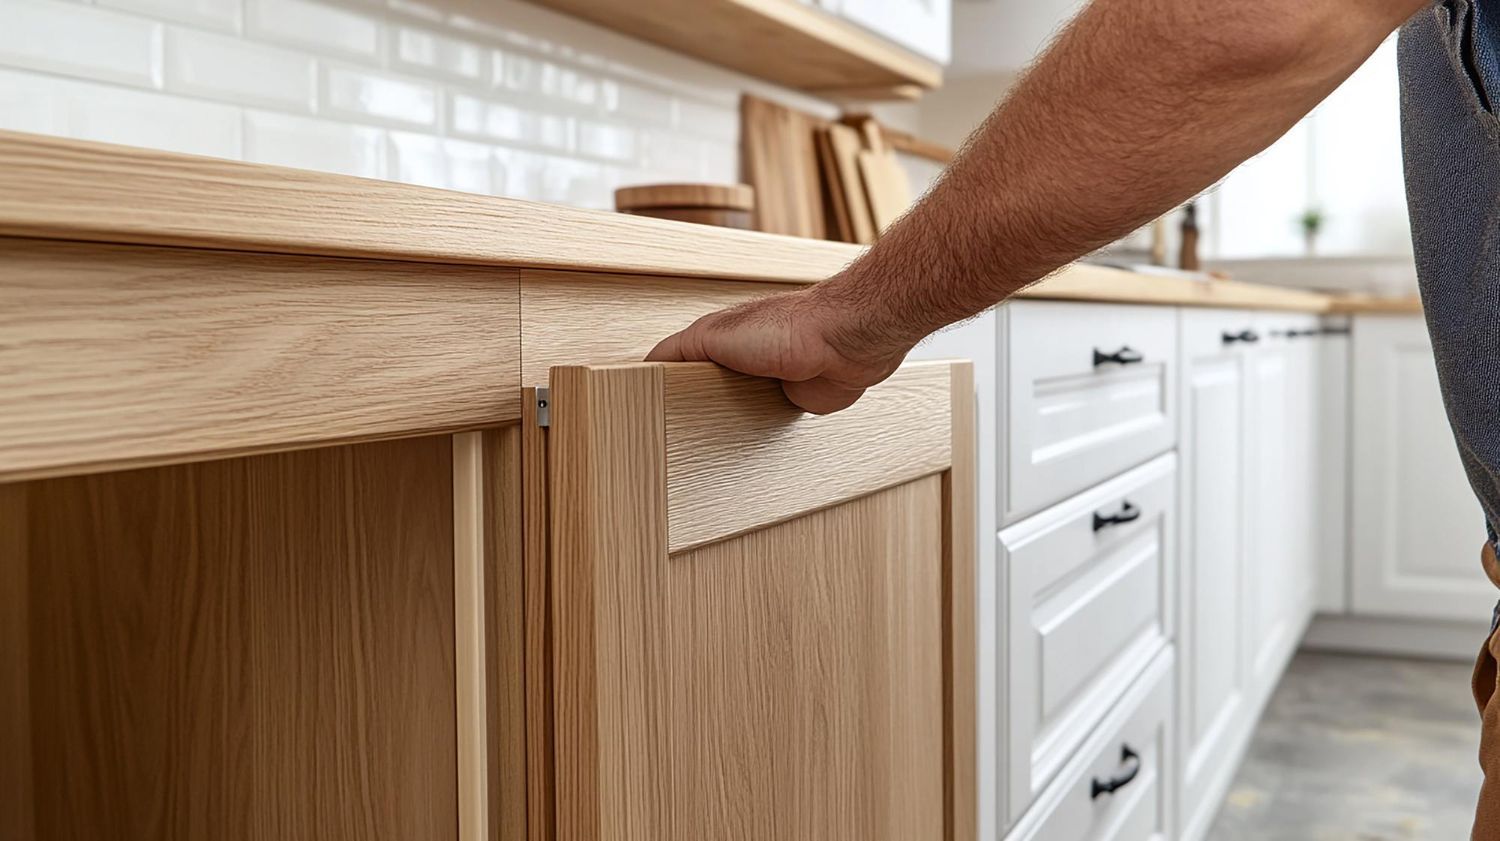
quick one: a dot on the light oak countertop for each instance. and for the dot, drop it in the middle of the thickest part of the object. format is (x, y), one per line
(78, 190)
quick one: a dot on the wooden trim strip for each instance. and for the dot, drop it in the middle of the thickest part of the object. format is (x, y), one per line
(469, 636)
(78, 190)
(959, 635)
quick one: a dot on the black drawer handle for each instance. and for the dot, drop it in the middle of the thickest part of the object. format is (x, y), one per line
(1110, 786)
(1249, 337)
(1128, 514)
(1123, 356)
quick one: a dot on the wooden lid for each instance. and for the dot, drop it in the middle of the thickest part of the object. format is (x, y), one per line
(722, 196)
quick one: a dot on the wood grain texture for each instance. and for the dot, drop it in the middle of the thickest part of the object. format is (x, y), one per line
(803, 692)
(721, 196)
(843, 147)
(740, 456)
(779, 159)
(609, 542)
(912, 145)
(886, 189)
(17, 807)
(509, 815)
(960, 635)
(840, 226)
(570, 318)
(1376, 304)
(1086, 282)
(471, 648)
(760, 37)
(536, 548)
(787, 682)
(122, 355)
(79, 190)
(741, 219)
(246, 649)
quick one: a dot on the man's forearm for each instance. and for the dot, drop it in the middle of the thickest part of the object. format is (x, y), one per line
(1138, 105)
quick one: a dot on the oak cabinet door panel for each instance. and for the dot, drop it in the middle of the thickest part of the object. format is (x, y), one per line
(763, 619)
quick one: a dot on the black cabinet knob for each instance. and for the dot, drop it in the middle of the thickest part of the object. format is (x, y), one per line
(1248, 337)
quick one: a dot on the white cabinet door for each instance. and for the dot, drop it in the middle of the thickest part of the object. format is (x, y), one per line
(1333, 469)
(1211, 697)
(1281, 533)
(922, 26)
(1088, 606)
(1416, 527)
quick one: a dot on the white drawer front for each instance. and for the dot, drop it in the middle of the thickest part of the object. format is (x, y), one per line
(1088, 606)
(1135, 737)
(1075, 416)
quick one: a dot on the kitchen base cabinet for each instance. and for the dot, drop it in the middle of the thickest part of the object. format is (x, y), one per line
(1416, 527)
(274, 646)
(1119, 785)
(1213, 695)
(763, 620)
(1090, 586)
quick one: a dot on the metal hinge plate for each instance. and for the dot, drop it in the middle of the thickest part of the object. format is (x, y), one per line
(543, 406)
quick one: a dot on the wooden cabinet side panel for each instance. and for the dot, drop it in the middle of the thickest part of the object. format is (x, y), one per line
(246, 649)
(960, 556)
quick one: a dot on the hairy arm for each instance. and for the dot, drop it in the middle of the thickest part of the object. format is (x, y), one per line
(1137, 106)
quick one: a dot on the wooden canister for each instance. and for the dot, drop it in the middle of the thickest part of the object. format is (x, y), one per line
(725, 205)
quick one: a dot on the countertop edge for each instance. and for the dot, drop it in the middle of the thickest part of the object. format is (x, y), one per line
(56, 188)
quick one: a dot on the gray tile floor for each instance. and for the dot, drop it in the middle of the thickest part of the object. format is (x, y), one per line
(1359, 749)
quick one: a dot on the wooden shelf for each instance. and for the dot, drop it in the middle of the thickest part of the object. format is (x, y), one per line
(782, 41)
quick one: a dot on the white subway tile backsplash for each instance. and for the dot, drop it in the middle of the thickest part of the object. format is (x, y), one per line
(712, 121)
(421, 51)
(80, 41)
(365, 94)
(603, 140)
(308, 143)
(32, 101)
(224, 67)
(214, 14)
(314, 25)
(438, 162)
(470, 115)
(633, 102)
(524, 103)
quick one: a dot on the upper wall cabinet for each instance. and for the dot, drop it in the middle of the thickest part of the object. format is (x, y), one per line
(872, 49)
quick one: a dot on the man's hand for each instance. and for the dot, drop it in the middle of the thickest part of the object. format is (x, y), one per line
(803, 338)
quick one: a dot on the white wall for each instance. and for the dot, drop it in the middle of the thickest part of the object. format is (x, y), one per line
(487, 96)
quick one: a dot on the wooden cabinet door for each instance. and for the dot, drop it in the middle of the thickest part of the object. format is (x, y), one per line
(1211, 673)
(1415, 527)
(763, 619)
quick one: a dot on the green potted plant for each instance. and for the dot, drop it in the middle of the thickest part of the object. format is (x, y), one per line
(1311, 221)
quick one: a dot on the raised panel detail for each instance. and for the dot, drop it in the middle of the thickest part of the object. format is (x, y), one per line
(1090, 391)
(1088, 606)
